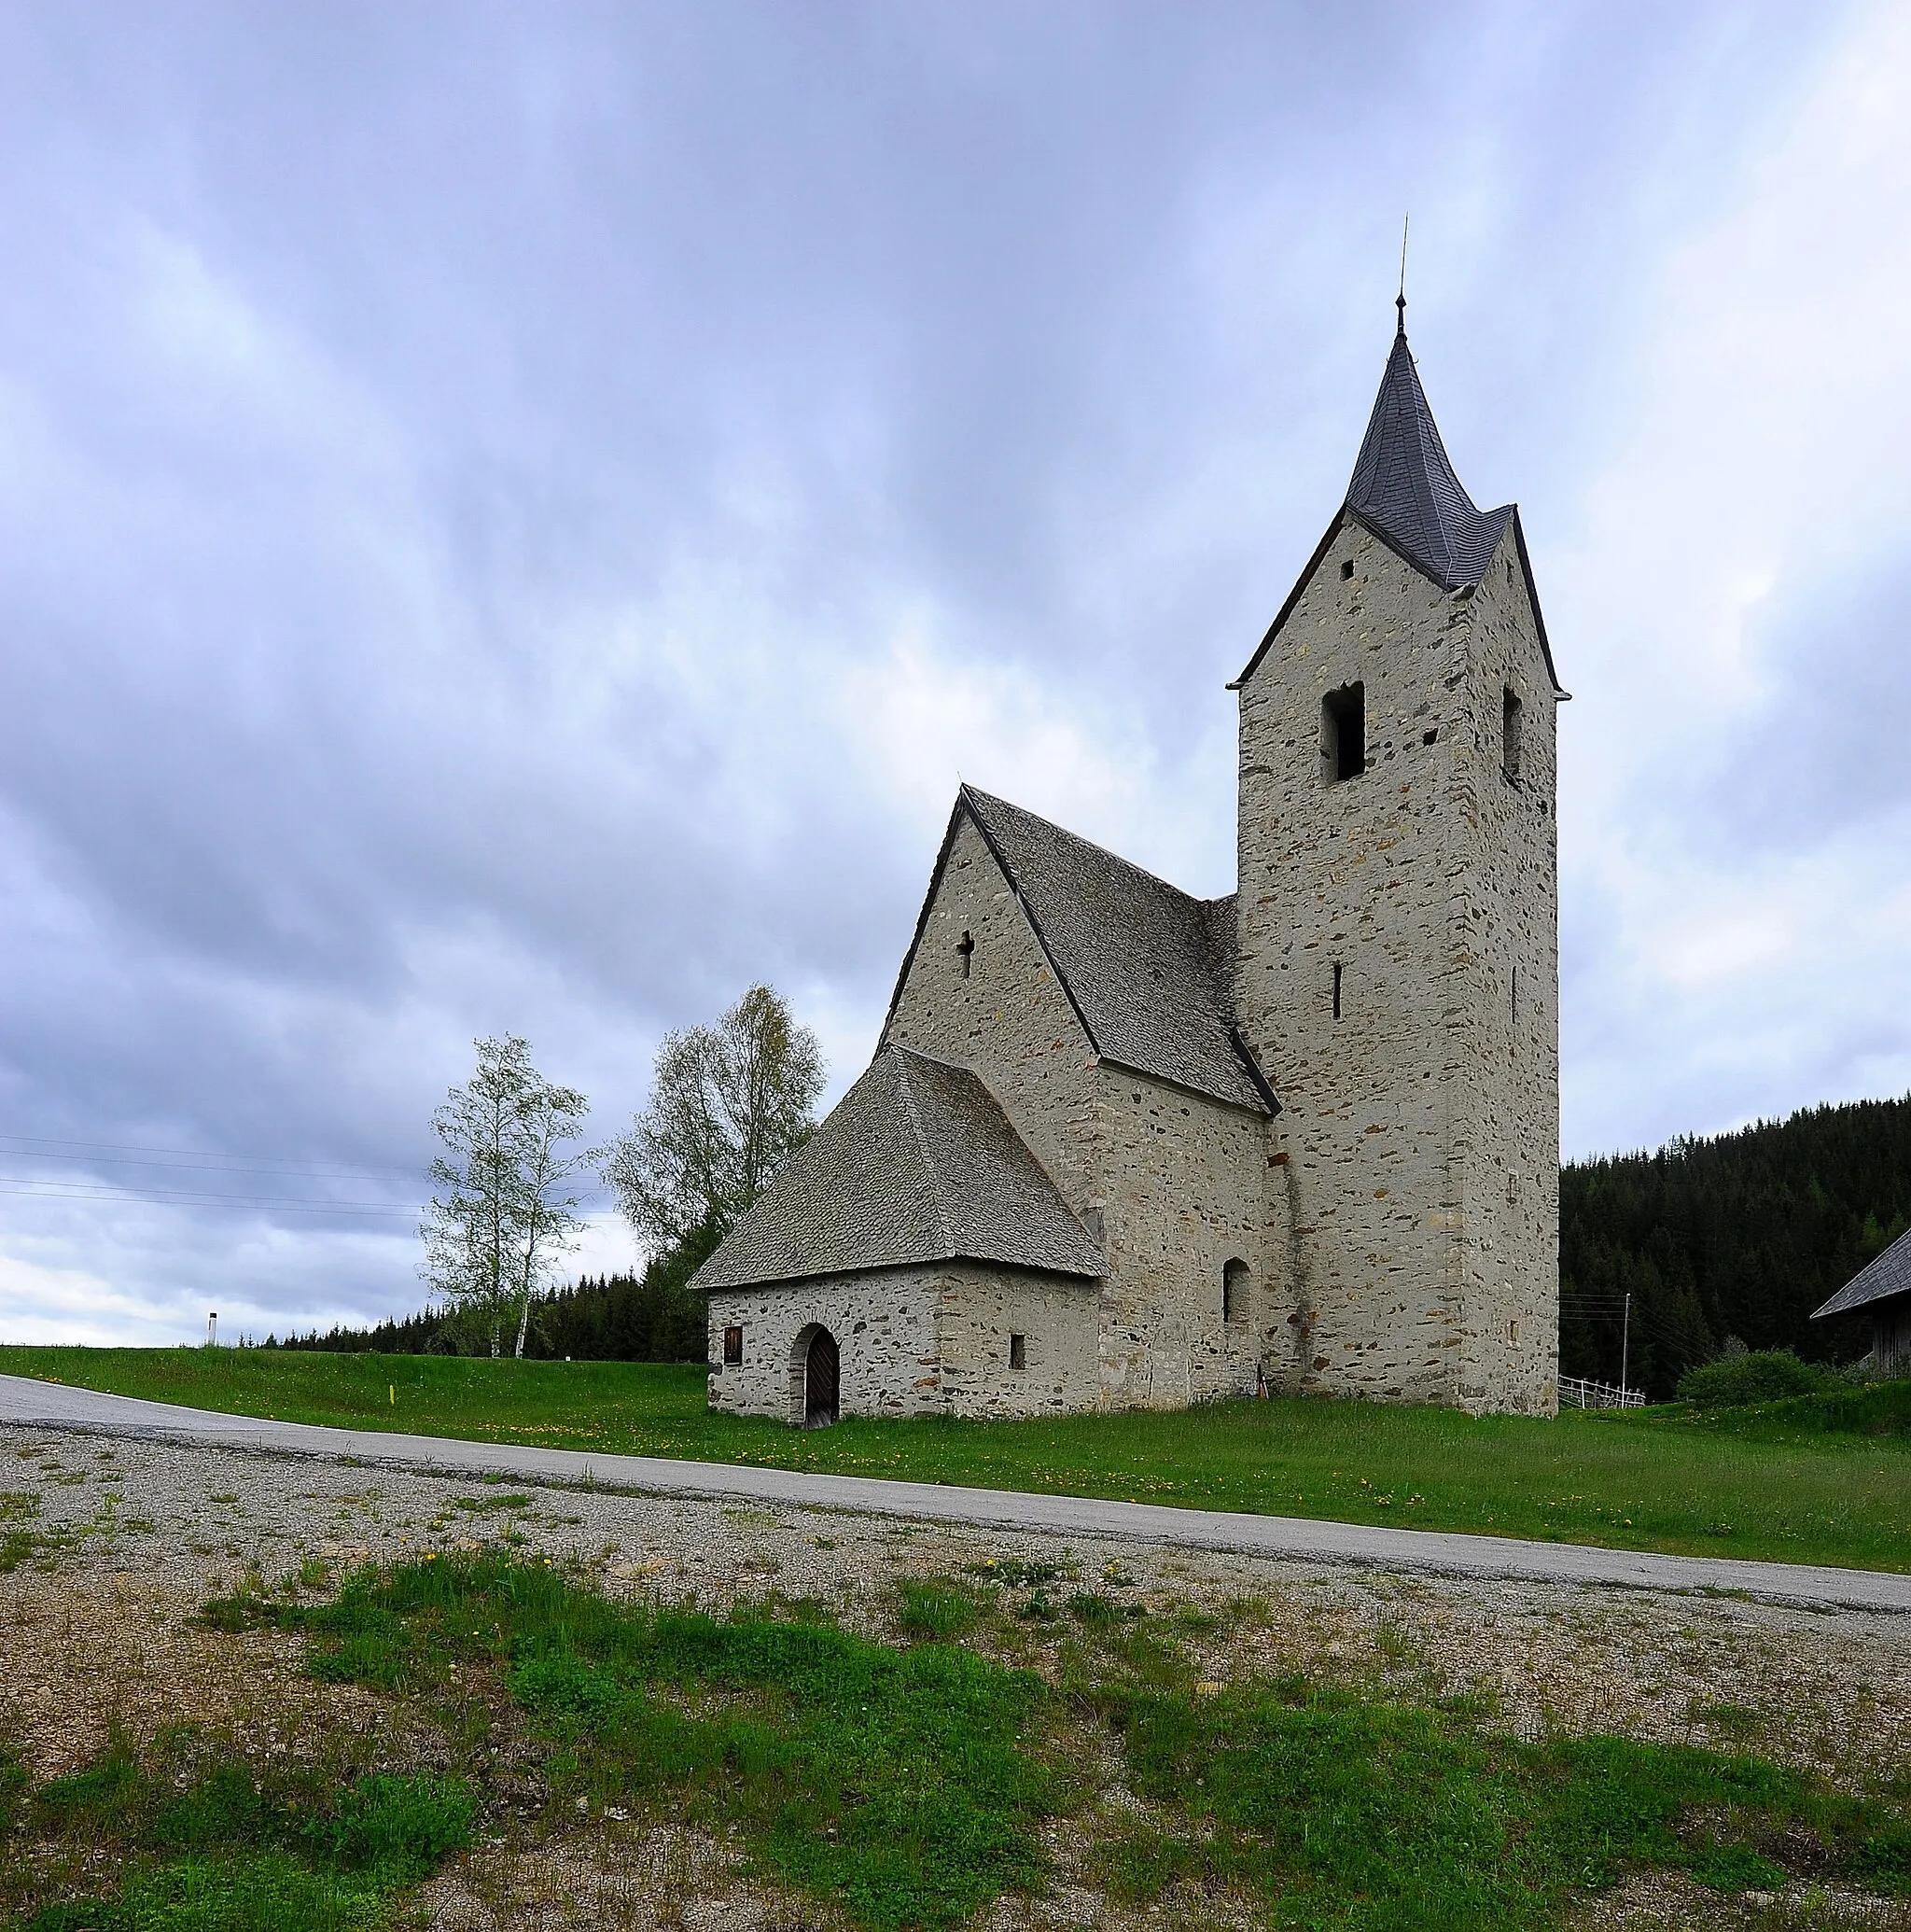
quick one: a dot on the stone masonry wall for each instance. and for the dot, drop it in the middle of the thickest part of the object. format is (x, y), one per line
(928, 1341)
(1184, 1187)
(1422, 1124)
(1508, 896)
(1172, 1182)
(1005, 1018)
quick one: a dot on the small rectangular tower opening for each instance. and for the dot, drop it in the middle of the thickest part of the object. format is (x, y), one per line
(733, 1347)
(1233, 1292)
(1018, 1352)
(1344, 732)
(1509, 734)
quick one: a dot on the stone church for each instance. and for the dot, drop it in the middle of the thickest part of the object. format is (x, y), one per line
(1121, 1147)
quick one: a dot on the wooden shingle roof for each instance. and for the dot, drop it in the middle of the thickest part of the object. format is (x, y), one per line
(1148, 970)
(916, 1163)
(1887, 1275)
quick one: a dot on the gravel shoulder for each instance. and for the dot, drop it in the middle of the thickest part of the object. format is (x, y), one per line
(1422, 1551)
(118, 1538)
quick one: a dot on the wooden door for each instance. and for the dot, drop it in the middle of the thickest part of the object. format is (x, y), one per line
(822, 1373)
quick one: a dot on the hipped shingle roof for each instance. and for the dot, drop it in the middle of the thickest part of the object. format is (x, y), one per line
(917, 1163)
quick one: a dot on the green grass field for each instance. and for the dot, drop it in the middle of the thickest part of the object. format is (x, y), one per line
(1817, 1480)
(896, 1780)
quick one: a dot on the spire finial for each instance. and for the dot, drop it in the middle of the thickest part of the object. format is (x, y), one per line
(1400, 302)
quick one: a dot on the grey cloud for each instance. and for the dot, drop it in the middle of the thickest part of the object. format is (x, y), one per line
(452, 457)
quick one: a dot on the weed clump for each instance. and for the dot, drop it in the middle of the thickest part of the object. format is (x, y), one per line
(210, 1847)
(934, 1610)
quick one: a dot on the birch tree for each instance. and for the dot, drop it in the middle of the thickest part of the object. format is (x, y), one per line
(729, 1105)
(505, 1208)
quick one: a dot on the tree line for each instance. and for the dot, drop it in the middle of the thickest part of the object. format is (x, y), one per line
(729, 1104)
(1733, 1238)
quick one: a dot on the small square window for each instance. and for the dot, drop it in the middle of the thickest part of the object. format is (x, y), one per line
(733, 1347)
(1018, 1352)
(1346, 569)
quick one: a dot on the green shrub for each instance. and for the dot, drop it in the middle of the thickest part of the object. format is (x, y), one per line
(1759, 1375)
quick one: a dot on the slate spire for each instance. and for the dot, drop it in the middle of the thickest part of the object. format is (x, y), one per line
(1403, 486)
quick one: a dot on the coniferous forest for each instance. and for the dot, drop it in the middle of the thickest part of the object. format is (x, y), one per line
(1741, 1236)
(653, 1317)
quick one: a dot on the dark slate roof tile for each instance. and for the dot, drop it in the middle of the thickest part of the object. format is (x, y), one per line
(917, 1163)
(1404, 486)
(1149, 970)
(1887, 1275)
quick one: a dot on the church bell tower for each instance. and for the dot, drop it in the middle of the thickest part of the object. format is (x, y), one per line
(1397, 970)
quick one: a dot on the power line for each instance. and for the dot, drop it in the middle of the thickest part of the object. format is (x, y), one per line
(80, 1191)
(31, 1146)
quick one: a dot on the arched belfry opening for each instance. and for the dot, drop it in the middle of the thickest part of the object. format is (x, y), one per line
(815, 1378)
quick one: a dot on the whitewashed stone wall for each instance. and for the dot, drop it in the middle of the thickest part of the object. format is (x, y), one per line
(1422, 1125)
(1173, 1183)
(917, 1341)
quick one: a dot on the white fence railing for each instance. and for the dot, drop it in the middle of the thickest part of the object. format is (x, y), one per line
(1575, 1392)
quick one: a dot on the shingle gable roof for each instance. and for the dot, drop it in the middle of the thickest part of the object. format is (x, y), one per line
(916, 1163)
(1148, 969)
(1886, 1275)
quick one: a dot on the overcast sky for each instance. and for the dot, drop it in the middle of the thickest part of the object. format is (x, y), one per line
(514, 517)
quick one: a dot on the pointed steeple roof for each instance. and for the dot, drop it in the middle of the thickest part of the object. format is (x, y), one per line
(1404, 488)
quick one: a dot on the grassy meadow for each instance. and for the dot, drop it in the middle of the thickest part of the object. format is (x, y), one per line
(971, 1742)
(1818, 1480)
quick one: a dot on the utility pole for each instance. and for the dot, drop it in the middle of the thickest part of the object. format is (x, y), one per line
(1625, 1347)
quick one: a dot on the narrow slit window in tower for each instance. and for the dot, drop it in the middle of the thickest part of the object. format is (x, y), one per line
(964, 951)
(1509, 726)
(1343, 731)
(1337, 971)
(1018, 1352)
(1233, 1292)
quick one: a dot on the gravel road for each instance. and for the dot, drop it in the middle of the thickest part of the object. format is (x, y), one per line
(1426, 1552)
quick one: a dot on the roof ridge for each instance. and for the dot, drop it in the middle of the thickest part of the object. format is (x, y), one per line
(1106, 851)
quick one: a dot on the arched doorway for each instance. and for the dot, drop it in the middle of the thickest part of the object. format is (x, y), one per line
(821, 1381)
